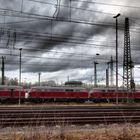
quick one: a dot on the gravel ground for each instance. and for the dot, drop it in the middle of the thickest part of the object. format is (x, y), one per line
(8, 132)
(68, 128)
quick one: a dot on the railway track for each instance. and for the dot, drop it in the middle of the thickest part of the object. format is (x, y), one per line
(15, 116)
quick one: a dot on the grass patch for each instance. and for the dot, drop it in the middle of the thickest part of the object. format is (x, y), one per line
(124, 132)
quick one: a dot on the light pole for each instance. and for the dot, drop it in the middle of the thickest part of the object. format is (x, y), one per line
(3, 70)
(116, 17)
(39, 76)
(95, 71)
(95, 74)
(107, 75)
(20, 76)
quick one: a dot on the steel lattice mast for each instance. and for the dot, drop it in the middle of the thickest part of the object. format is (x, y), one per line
(128, 81)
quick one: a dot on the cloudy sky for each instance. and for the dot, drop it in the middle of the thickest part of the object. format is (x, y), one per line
(60, 38)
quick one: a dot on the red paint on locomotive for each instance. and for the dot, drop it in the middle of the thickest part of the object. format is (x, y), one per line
(47, 92)
(11, 92)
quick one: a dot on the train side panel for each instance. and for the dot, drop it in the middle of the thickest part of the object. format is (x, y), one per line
(11, 93)
(110, 94)
(58, 94)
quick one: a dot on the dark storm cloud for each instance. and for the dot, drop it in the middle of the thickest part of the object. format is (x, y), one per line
(64, 62)
(57, 65)
(61, 28)
(53, 34)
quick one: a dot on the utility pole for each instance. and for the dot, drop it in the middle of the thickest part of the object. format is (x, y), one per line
(39, 75)
(95, 74)
(128, 81)
(95, 71)
(116, 17)
(20, 75)
(107, 73)
(111, 72)
(3, 70)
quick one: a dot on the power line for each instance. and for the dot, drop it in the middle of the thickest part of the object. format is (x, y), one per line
(51, 58)
(46, 66)
(70, 43)
(67, 20)
(42, 39)
(67, 7)
(39, 17)
(59, 19)
(72, 7)
(108, 4)
(18, 22)
(42, 2)
(44, 17)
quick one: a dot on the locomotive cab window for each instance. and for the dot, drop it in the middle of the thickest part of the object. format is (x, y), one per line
(103, 91)
(69, 90)
(111, 90)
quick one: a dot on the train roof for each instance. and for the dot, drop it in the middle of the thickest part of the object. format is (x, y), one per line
(10, 86)
(57, 87)
(108, 88)
(112, 88)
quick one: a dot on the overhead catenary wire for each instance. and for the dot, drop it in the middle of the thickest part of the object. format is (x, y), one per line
(67, 20)
(66, 6)
(51, 58)
(108, 4)
(94, 11)
(91, 2)
(60, 19)
(42, 38)
(71, 42)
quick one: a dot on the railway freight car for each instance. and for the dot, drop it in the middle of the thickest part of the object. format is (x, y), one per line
(65, 93)
(11, 93)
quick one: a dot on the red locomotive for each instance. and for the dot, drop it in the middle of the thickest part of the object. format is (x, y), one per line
(47, 93)
(11, 93)
(110, 94)
(65, 93)
(80, 94)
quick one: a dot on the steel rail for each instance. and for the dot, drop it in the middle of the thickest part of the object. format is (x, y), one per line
(75, 115)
